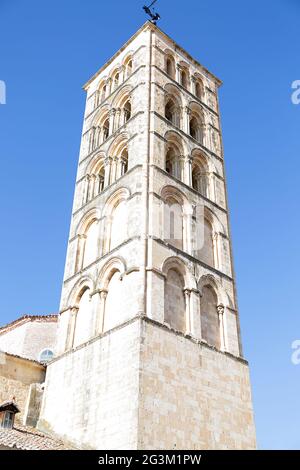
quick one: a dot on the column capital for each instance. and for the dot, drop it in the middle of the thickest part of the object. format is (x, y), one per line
(81, 236)
(187, 292)
(74, 310)
(108, 160)
(220, 309)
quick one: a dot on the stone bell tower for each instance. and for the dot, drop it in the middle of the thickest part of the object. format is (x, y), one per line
(148, 350)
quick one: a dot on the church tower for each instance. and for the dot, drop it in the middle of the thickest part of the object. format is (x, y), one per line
(149, 352)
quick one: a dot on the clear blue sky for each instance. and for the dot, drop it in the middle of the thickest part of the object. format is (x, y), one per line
(48, 49)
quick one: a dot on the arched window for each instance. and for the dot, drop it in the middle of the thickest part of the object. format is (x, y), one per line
(83, 319)
(118, 225)
(210, 329)
(170, 67)
(46, 355)
(103, 92)
(206, 252)
(129, 67)
(114, 302)
(172, 112)
(199, 89)
(184, 78)
(195, 129)
(91, 244)
(174, 164)
(105, 130)
(127, 111)
(124, 162)
(116, 80)
(100, 178)
(94, 182)
(200, 179)
(174, 301)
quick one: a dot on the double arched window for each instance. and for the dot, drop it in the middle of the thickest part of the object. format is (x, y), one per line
(116, 78)
(94, 182)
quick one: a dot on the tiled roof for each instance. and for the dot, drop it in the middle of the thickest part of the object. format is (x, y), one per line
(21, 357)
(26, 319)
(25, 438)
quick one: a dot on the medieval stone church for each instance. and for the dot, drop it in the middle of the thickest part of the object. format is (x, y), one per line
(148, 352)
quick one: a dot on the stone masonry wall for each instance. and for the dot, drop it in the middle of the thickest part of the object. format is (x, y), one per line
(16, 376)
(91, 395)
(192, 396)
(29, 339)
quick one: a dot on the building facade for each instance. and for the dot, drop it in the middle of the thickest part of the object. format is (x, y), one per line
(31, 337)
(149, 353)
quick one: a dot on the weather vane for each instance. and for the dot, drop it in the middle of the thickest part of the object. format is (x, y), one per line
(153, 15)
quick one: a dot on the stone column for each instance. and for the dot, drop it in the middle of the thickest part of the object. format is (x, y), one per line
(188, 170)
(186, 120)
(195, 313)
(178, 73)
(113, 170)
(193, 85)
(117, 123)
(72, 327)
(91, 138)
(112, 121)
(216, 244)
(107, 171)
(189, 225)
(85, 189)
(221, 311)
(100, 315)
(92, 184)
(187, 295)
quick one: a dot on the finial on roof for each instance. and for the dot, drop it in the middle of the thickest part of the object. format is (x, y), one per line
(153, 15)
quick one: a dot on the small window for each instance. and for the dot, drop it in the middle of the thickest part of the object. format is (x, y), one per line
(127, 111)
(106, 130)
(184, 78)
(7, 420)
(46, 355)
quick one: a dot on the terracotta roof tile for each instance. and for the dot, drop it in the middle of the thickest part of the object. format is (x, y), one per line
(25, 438)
